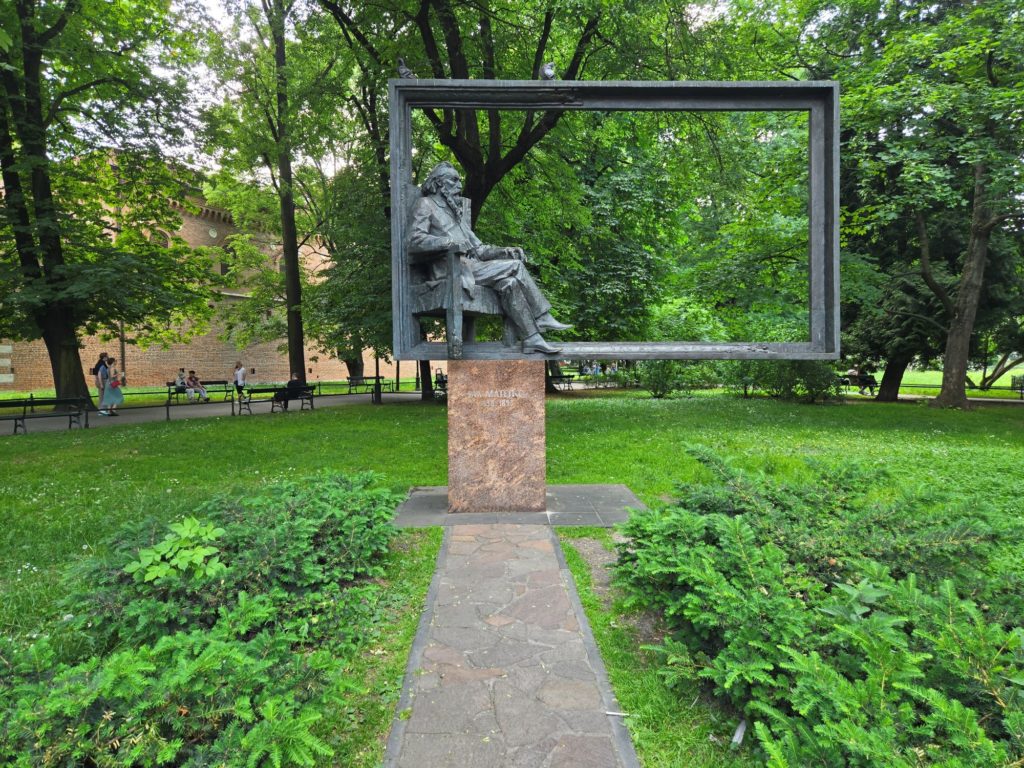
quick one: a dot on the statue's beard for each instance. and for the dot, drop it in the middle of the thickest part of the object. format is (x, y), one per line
(454, 202)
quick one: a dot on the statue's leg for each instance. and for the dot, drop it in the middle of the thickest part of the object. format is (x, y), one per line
(516, 308)
(525, 297)
(536, 300)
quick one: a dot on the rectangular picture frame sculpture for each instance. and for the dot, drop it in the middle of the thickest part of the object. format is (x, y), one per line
(819, 99)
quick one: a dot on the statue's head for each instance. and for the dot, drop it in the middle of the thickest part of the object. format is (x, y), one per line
(441, 174)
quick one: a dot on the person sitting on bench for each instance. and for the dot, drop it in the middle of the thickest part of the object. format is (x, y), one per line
(292, 391)
(193, 387)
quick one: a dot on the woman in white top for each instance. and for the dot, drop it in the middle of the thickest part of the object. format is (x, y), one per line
(239, 377)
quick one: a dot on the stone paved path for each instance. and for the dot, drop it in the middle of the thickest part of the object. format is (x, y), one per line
(504, 673)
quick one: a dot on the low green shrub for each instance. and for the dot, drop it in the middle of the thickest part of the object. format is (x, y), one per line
(659, 377)
(854, 630)
(663, 377)
(808, 381)
(219, 642)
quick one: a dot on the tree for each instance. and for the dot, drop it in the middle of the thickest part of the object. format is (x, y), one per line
(490, 41)
(275, 78)
(87, 91)
(934, 110)
(344, 306)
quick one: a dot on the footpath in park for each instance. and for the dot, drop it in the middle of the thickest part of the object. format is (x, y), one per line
(504, 671)
(143, 414)
(136, 414)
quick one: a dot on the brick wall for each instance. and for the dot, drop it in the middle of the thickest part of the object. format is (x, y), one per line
(28, 367)
(25, 366)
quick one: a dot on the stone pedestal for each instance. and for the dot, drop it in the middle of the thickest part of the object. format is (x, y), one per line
(496, 437)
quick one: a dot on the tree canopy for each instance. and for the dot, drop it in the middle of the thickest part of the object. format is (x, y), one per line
(625, 216)
(89, 94)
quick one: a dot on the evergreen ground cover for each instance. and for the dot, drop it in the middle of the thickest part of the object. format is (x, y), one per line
(268, 629)
(65, 493)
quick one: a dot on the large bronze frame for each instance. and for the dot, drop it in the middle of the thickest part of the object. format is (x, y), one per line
(819, 99)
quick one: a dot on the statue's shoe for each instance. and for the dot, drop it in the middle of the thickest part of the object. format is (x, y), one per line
(547, 323)
(536, 343)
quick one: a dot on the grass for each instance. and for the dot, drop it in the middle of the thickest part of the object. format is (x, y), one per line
(64, 492)
(668, 728)
(137, 397)
(61, 493)
(934, 378)
(410, 567)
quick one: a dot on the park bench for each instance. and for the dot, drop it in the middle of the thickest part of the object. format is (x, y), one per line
(175, 391)
(20, 410)
(1017, 385)
(279, 397)
(440, 386)
(366, 383)
(562, 381)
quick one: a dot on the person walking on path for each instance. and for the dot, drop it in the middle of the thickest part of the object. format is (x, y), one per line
(102, 374)
(239, 377)
(112, 394)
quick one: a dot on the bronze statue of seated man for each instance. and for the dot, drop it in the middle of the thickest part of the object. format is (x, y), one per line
(441, 221)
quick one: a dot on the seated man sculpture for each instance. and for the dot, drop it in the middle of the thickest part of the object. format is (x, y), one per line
(440, 221)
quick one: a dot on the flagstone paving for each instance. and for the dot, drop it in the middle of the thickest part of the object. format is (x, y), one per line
(504, 672)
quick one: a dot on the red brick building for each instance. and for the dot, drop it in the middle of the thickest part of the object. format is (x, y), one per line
(25, 366)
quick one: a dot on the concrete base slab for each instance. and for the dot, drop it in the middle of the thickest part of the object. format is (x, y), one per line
(595, 505)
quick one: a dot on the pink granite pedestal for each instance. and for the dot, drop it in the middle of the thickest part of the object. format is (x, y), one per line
(496, 436)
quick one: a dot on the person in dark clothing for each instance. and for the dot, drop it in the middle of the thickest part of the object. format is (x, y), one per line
(292, 391)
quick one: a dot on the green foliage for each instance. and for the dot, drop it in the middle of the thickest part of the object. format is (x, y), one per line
(84, 105)
(800, 603)
(184, 653)
(184, 551)
(931, 118)
(808, 381)
(261, 317)
(659, 377)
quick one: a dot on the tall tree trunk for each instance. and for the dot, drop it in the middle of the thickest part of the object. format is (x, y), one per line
(289, 236)
(355, 367)
(37, 237)
(426, 381)
(61, 341)
(958, 341)
(895, 367)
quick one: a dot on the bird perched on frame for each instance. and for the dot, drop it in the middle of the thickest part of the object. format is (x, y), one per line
(547, 72)
(403, 71)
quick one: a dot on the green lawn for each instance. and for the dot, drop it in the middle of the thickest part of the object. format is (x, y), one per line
(64, 492)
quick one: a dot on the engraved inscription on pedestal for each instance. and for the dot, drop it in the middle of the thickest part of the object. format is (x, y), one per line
(496, 437)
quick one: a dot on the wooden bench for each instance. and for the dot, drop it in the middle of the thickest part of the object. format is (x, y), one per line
(1017, 385)
(441, 386)
(280, 396)
(562, 381)
(71, 407)
(365, 384)
(175, 391)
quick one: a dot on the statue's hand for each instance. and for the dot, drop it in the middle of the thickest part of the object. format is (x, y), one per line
(515, 253)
